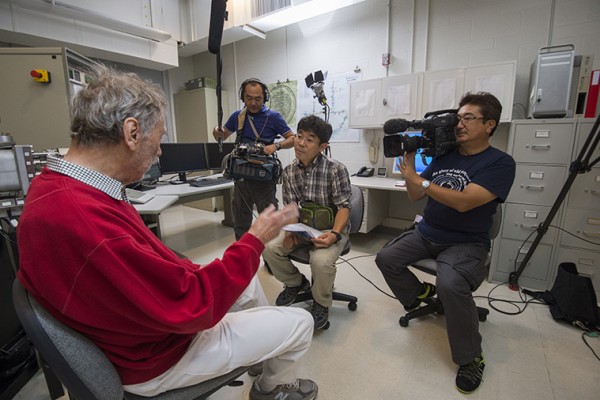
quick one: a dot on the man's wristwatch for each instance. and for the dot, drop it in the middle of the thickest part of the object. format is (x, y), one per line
(278, 146)
(337, 236)
(424, 185)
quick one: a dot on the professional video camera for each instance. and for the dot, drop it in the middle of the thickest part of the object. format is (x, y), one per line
(249, 161)
(437, 134)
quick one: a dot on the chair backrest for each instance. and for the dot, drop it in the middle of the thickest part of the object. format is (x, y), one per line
(496, 222)
(358, 208)
(77, 362)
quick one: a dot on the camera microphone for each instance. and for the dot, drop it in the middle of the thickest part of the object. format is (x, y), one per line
(218, 15)
(396, 125)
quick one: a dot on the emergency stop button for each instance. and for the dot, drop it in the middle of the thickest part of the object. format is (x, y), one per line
(40, 75)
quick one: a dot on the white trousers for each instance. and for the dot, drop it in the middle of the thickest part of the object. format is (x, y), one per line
(277, 335)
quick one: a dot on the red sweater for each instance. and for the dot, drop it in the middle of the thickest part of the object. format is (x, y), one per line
(90, 260)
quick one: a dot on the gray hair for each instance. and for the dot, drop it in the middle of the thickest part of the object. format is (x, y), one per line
(99, 110)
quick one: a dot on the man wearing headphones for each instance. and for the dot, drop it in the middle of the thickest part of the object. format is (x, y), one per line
(255, 123)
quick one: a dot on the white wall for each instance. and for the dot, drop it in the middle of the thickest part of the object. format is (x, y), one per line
(422, 35)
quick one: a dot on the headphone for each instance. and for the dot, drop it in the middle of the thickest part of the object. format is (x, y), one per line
(258, 81)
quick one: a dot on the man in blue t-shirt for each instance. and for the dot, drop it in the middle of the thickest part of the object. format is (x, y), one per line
(463, 189)
(254, 124)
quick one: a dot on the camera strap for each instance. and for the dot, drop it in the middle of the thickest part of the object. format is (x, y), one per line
(241, 118)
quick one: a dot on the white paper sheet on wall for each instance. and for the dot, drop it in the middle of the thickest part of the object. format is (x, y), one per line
(492, 84)
(442, 94)
(398, 98)
(365, 103)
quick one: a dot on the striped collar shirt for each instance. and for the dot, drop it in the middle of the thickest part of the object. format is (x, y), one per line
(95, 179)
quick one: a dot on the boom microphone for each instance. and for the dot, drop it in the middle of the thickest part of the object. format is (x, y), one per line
(396, 125)
(218, 14)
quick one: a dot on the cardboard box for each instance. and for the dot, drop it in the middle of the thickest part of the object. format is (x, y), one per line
(198, 83)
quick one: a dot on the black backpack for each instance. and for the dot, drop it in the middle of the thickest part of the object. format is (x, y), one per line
(572, 298)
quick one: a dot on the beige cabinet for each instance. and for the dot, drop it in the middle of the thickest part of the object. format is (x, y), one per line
(410, 96)
(196, 114)
(498, 79)
(442, 90)
(375, 101)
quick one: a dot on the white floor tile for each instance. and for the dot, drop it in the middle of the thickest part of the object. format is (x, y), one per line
(367, 355)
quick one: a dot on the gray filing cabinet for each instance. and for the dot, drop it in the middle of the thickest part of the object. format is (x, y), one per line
(582, 216)
(542, 150)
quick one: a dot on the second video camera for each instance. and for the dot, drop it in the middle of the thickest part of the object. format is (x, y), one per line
(437, 134)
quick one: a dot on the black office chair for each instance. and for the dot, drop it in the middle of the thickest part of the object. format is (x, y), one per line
(301, 255)
(429, 266)
(81, 366)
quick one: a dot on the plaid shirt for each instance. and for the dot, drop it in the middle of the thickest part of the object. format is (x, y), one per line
(324, 181)
(95, 179)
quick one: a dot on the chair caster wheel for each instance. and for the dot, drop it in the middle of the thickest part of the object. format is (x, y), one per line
(403, 322)
(482, 318)
(352, 306)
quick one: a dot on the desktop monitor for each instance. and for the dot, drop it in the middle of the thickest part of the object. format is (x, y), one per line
(182, 158)
(215, 157)
(419, 164)
(150, 177)
(153, 173)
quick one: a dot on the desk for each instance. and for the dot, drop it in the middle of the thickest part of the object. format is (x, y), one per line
(377, 194)
(151, 210)
(167, 195)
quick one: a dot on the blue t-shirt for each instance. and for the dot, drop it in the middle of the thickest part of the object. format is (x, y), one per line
(492, 169)
(269, 125)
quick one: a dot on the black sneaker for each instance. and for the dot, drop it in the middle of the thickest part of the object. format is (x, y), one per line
(289, 294)
(302, 389)
(256, 369)
(320, 315)
(469, 376)
(428, 291)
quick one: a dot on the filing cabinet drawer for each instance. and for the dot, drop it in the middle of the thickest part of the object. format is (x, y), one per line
(521, 220)
(537, 184)
(584, 223)
(585, 191)
(543, 143)
(583, 131)
(538, 267)
(587, 262)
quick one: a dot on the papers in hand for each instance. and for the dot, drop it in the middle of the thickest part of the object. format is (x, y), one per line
(303, 230)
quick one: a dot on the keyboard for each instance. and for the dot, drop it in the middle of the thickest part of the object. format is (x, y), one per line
(204, 182)
(136, 196)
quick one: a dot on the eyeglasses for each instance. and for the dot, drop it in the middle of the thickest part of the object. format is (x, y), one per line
(467, 119)
(307, 140)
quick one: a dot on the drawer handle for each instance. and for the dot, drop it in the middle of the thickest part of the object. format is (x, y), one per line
(534, 187)
(592, 234)
(540, 146)
(528, 226)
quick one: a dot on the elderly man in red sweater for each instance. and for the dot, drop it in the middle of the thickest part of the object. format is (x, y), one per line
(87, 257)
